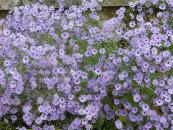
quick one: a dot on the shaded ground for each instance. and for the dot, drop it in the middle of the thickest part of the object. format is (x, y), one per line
(3, 13)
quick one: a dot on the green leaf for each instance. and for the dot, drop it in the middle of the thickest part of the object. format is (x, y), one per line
(47, 38)
(99, 123)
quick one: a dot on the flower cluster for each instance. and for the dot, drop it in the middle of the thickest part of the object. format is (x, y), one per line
(60, 68)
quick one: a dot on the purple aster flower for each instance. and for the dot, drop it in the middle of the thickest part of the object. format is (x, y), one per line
(118, 124)
(116, 101)
(136, 97)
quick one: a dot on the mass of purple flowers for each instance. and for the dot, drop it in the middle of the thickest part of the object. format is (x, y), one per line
(47, 79)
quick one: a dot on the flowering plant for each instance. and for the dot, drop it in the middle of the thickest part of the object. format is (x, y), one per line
(65, 69)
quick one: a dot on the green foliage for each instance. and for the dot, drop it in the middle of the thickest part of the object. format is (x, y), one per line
(68, 50)
(109, 125)
(92, 75)
(171, 49)
(47, 38)
(99, 123)
(93, 60)
(1, 63)
(109, 46)
(92, 22)
(82, 45)
(24, 70)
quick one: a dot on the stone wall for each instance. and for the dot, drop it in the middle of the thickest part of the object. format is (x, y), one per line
(7, 4)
